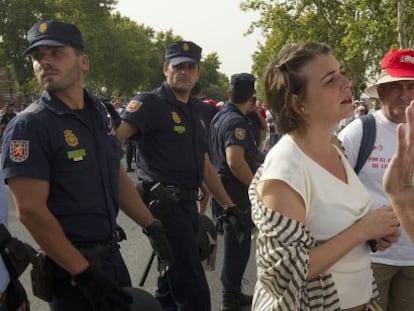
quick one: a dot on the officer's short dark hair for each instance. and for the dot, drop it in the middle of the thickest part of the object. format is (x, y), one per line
(241, 87)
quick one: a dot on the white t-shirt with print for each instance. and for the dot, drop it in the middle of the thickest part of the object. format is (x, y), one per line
(371, 175)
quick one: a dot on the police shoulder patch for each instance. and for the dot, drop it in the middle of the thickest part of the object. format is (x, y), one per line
(19, 150)
(240, 133)
(133, 105)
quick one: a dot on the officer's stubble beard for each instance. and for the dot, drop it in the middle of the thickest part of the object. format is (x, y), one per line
(71, 76)
(181, 93)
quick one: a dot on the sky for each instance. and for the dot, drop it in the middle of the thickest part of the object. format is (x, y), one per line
(215, 25)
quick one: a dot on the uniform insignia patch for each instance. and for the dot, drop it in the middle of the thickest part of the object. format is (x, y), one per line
(186, 47)
(176, 117)
(42, 27)
(180, 129)
(133, 105)
(76, 155)
(240, 133)
(19, 150)
(70, 138)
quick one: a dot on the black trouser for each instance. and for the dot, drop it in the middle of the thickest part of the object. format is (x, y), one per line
(69, 298)
(130, 151)
(184, 287)
(236, 255)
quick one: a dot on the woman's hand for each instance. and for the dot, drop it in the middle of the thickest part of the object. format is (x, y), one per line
(379, 223)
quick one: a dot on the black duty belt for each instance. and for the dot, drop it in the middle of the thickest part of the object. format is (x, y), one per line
(174, 191)
(184, 195)
(105, 247)
(98, 249)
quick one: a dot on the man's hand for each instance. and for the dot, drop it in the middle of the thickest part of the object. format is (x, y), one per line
(16, 254)
(399, 175)
(160, 244)
(102, 293)
(16, 297)
(235, 217)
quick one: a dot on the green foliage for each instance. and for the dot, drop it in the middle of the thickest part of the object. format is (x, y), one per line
(125, 57)
(17, 16)
(359, 31)
(213, 82)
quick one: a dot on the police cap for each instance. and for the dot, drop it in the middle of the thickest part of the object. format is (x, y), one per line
(245, 80)
(183, 51)
(54, 33)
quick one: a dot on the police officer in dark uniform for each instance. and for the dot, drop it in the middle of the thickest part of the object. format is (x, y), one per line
(232, 147)
(172, 151)
(61, 160)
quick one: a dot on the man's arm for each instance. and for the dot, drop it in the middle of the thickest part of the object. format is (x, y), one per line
(30, 196)
(125, 130)
(214, 184)
(238, 165)
(132, 205)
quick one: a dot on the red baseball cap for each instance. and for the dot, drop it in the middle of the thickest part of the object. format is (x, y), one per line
(396, 65)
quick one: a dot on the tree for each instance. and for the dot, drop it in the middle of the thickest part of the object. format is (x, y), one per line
(405, 13)
(359, 31)
(16, 18)
(126, 57)
(213, 82)
(120, 62)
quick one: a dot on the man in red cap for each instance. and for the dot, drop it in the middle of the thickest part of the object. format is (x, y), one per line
(394, 267)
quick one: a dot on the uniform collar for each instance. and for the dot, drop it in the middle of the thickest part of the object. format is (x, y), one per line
(170, 96)
(232, 107)
(57, 106)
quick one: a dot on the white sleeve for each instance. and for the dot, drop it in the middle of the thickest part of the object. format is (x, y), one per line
(285, 163)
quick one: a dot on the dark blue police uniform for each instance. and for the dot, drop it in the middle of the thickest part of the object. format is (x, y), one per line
(78, 153)
(171, 145)
(230, 127)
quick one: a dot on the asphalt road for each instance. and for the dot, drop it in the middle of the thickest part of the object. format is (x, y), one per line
(136, 251)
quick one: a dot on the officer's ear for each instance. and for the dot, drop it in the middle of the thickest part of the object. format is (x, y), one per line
(84, 60)
(165, 68)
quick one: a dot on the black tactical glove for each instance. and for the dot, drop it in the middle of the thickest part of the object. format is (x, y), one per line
(16, 296)
(160, 244)
(16, 254)
(235, 217)
(102, 293)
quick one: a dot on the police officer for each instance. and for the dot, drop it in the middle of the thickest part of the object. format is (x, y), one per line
(172, 149)
(233, 148)
(61, 160)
